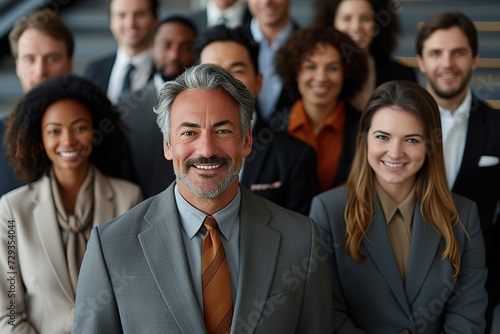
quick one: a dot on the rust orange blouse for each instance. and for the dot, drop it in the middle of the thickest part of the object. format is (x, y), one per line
(328, 144)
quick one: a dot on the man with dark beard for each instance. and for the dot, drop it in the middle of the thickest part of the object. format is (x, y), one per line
(172, 53)
(447, 48)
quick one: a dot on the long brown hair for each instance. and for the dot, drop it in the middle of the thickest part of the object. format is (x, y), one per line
(436, 203)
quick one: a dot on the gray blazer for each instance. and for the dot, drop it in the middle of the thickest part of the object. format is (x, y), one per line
(43, 295)
(135, 277)
(371, 296)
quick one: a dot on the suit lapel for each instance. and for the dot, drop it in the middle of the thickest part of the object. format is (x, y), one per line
(477, 132)
(49, 234)
(259, 246)
(424, 245)
(164, 251)
(379, 248)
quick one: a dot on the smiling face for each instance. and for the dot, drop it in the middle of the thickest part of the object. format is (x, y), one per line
(320, 78)
(67, 136)
(206, 144)
(173, 49)
(356, 19)
(235, 58)
(447, 62)
(132, 23)
(270, 13)
(40, 57)
(396, 150)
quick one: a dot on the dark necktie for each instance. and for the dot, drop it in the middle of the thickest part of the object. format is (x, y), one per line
(127, 81)
(216, 283)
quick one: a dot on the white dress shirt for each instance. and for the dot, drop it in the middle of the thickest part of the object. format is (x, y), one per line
(454, 125)
(233, 14)
(139, 77)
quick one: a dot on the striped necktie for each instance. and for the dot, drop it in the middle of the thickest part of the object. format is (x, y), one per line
(216, 284)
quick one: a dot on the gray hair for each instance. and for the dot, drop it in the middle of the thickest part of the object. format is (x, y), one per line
(205, 77)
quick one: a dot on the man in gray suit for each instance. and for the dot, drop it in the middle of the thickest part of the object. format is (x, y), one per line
(142, 272)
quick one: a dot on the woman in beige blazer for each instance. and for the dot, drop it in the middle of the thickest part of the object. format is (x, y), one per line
(65, 141)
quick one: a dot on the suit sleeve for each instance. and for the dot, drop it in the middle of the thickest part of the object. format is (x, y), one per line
(12, 293)
(96, 310)
(341, 321)
(466, 306)
(316, 307)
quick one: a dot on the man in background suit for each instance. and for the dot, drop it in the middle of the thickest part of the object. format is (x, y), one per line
(132, 23)
(447, 48)
(172, 53)
(143, 271)
(270, 27)
(42, 47)
(280, 168)
(231, 13)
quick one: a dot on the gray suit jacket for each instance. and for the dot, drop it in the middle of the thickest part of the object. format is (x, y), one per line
(135, 276)
(371, 296)
(43, 295)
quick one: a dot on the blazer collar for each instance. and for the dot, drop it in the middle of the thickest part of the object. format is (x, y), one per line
(259, 247)
(477, 132)
(163, 248)
(424, 245)
(377, 244)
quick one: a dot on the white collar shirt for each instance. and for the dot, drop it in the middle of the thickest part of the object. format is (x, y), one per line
(233, 14)
(139, 77)
(454, 126)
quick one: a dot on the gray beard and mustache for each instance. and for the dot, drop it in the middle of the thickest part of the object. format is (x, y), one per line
(182, 175)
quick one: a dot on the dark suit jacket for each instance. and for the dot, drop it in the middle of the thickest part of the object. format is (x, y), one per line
(99, 71)
(280, 168)
(481, 183)
(135, 276)
(143, 134)
(372, 297)
(8, 180)
(199, 18)
(388, 70)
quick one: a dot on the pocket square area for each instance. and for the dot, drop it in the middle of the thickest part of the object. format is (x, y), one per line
(488, 160)
(265, 186)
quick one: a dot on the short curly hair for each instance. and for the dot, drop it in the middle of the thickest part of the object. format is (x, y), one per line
(23, 136)
(304, 42)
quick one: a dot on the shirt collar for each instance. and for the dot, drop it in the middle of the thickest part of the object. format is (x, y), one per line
(298, 117)
(389, 207)
(232, 13)
(258, 35)
(192, 218)
(140, 59)
(463, 110)
(158, 82)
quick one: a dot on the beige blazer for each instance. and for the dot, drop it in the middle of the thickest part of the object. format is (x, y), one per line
(34, 281)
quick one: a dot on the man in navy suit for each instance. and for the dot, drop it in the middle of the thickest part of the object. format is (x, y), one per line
(447, 48)
(279, 168)
(132, 23)
(41, 51)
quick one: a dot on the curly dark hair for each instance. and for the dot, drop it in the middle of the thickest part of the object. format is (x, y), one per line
(304, 42)
(387, 27)
(23, 136)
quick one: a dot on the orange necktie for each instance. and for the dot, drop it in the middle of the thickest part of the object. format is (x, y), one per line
(216, 284)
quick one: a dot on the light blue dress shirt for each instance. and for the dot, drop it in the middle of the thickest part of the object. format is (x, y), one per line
(193, 234)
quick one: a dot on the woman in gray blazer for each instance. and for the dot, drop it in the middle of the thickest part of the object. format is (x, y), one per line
(406, 254)
(60, 139)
